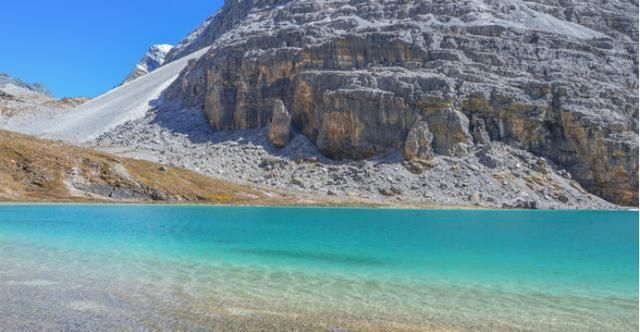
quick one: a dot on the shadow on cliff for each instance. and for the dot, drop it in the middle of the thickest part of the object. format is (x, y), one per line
(193, 124)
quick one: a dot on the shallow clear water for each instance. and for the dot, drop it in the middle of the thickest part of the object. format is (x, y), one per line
(91, 267)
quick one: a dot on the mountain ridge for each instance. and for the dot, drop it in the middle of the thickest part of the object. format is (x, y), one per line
(6, 79)
(21, 99)
(152, 60)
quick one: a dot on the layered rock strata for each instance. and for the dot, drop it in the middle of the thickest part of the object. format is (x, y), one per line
(558, 79)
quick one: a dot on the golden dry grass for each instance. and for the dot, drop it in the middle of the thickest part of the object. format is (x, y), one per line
(32, 169)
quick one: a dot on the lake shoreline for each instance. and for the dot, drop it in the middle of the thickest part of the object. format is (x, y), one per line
(318, 205)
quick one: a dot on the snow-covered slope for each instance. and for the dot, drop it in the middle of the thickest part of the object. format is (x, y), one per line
(152, 60)
(124, 103)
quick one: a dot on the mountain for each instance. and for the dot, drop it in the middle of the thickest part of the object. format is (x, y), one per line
(153, 59)
(529, 104)
(38, 88)
(361, 78)
(18, 98)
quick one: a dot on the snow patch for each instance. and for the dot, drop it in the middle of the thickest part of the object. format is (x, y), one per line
(525, 18)
(152, 60)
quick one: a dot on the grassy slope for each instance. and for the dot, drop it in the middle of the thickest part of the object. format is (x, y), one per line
(38, 170)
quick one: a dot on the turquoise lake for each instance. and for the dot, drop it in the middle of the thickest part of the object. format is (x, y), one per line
(192, 268)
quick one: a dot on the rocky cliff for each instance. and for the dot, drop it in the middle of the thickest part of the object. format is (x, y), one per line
(555, 78)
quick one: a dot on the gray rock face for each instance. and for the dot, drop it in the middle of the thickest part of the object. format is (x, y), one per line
(492, 177)
(555, 78)
(151, 60)
(280, 130)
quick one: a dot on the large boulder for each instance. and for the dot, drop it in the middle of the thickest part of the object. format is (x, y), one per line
(419, 142)
(479, 132)
(450, 132)
(280, 129)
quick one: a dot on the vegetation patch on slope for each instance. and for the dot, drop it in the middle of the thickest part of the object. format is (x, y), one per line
(39, 170)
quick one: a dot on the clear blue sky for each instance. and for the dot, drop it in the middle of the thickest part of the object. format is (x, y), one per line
(85, 47)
